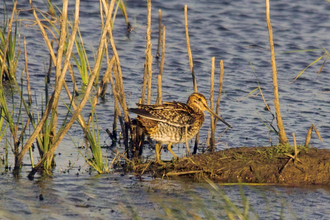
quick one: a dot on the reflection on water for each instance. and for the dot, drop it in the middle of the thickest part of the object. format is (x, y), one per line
(115, 196)
(234, 31)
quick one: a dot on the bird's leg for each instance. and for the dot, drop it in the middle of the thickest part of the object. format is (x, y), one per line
(169, 147)
(158, 148)
(187, 145)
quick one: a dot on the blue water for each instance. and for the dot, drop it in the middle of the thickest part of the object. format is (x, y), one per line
(233, 31)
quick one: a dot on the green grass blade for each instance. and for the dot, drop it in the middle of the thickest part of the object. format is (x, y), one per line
(315, 61)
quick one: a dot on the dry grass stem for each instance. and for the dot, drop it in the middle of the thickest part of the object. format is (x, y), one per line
(212, 139)
(159, 97)
(148, 53)
(81, 119)
(159, 32)
(144, 84)
(309, 135)
(73, 79)
(188, 48)
(119, 78)
(44, 34)
(50, 64)
(99, 90)
(317, 132)
(217, 110)
(191, 66)
(58, 81)
(106, 77)
(183, 173)
(61, 134)
(295, 146)
(117, 112)
(282, 136)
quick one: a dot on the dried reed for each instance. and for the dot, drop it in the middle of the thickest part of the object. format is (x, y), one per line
(191, 67)
(159, 32)
(295, 147)
(50, 64)
(222, 70)
(148, 55)
(212, 139)
(188, 48)
(282, 136)
(117, 110)
(309, 135)
(73, 79)
(159, 94)
(59, 81)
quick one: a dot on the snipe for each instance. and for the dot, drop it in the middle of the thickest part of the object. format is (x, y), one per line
(173, 122)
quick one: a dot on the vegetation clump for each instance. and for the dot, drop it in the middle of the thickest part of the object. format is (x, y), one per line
(264, 165)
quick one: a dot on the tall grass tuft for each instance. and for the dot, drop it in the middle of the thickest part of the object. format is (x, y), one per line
(82, 60)
(60, 75)
(9, 54)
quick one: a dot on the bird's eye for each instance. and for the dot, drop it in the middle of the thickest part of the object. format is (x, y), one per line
(199, 99)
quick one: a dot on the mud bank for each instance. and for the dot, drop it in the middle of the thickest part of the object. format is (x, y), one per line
(249, 165)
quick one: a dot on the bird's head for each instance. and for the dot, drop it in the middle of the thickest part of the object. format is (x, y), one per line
(198, 101)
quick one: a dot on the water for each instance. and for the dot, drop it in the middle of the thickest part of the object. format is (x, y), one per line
(232, 31)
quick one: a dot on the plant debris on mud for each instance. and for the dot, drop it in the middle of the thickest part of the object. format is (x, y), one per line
(273, 165)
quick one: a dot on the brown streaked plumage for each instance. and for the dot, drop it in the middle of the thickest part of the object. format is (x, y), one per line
(173, 122)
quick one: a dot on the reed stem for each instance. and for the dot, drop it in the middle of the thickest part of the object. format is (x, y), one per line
(295, 147)
(191, 67)
(159, 97)
(50, 64)
(222, 70)
(54, 98)
(149, 56)
(188, 48)
(122, 99)
(212, 139)
(44, 34)
(159, 32)
(281, 133)
(73, 79)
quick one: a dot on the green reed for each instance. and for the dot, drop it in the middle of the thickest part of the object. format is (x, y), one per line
(123, 9)
(93, 138)
(81, 60)
(9, 49)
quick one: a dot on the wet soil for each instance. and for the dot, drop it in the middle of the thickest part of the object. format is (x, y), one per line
(273, 165)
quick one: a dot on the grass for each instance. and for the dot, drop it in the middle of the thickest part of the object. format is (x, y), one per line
(9, 49)
(67, 37)
(280, 150)
(81, 60)
(48, 138)
(325, 56)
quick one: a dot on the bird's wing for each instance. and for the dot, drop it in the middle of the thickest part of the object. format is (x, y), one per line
(174, 113)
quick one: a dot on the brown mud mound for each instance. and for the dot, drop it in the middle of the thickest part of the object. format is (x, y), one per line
(250, 165)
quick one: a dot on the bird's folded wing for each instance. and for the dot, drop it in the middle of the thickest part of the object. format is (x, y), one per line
(175, 115)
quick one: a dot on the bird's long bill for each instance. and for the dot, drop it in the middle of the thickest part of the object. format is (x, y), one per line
(217, 116)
